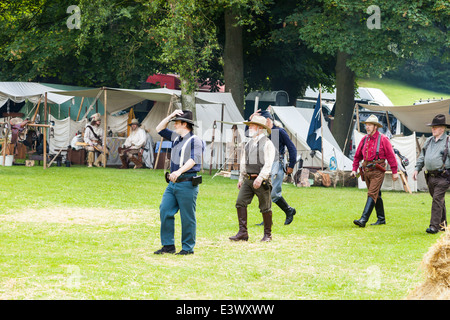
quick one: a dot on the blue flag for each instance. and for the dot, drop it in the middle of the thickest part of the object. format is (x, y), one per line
(314, 138)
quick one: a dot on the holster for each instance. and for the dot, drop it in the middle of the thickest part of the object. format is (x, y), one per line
(361, 173)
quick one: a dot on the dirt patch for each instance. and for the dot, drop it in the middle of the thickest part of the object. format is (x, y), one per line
(84, 216)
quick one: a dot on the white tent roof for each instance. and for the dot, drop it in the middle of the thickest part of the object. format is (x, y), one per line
(415, 117)
(20, 91)
(119, 99)
(296, 121)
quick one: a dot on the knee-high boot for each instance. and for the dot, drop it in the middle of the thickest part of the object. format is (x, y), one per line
(366, 213)
(91, 158)
(288, 210)
(379, 208)
(124, 162)
(242, 234)
(267, 219)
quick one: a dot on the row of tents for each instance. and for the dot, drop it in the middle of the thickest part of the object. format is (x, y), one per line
(216, 115)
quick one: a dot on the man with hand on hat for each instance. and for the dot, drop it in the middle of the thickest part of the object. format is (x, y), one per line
(435, 158)
(182, 190)
(132, 147)
(254, 179)
(374, 149)
(281, 141)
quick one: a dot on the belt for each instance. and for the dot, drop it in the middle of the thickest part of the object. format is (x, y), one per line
(435, 173)
(186, 177)
(252, 176)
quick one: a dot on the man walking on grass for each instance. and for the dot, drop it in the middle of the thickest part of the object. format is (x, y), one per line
(374, 149)
(435, 158)
(254, 179)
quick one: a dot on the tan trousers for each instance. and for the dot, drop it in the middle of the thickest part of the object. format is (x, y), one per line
(374, 179)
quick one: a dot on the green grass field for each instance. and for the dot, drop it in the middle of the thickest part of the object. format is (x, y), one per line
(90, 233)
(399, 93)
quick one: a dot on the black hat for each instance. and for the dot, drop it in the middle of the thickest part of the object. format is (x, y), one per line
(438, 120)
(266, 114)
(185, 117)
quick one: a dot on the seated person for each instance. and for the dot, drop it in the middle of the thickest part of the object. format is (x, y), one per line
(132, 149)
(75, 139)
(93, 136)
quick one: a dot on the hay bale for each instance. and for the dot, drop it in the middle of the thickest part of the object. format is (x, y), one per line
(436, 264)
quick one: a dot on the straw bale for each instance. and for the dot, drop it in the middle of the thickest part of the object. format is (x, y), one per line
(436, 266)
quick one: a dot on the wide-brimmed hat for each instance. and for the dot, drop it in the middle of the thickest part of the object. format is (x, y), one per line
(134, 121)
(96, 117)
(15, 121)
(439, 120)
(260, 121)
(186, 116)
(373, 120)
(266, 114)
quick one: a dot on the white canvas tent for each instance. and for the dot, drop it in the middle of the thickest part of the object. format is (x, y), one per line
(415, 117)
(209, 107)
(32, 91)
(296, 122)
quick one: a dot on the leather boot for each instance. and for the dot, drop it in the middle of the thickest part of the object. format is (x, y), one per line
(267, 219)
(366, 213)
(288, 210)
(137, 163)
(242, 234)
(90, 159)
(124, 162)
(379, 208)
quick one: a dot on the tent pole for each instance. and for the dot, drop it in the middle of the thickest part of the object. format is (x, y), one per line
(79, 110)
(212, 147)
(161, 140)
(321, 123)
(221, 134)
(104, 129)
(45, 131)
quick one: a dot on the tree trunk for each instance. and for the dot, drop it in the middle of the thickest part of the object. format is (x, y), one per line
(345, 99)
(233, 58)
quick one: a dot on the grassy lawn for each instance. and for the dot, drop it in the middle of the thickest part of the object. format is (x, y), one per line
(90, 233)
(399, 93)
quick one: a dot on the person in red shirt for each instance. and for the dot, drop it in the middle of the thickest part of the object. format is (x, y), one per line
(374, 149)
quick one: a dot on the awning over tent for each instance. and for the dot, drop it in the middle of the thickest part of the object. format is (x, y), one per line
(20, 91)
(119, 99)
(415, 117)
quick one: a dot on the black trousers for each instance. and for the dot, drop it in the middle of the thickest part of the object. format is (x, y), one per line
(437, 186)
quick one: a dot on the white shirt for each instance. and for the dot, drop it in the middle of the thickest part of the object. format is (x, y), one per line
(89, 136)
(136, 139)
(269, 156)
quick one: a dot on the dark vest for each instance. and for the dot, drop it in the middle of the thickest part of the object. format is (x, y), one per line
(254, 156)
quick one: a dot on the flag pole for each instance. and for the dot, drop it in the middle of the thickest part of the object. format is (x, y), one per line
(321, 122)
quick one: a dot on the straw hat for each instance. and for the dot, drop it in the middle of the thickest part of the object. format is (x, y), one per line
(134, 121)
(373, 120)
(15, 121)
(260, 121)
(96, 117)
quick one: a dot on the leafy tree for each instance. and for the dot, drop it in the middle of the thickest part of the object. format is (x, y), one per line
(113, 46)
(344, 28)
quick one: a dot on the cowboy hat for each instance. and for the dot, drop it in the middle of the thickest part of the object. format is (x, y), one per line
(96, 117)
(438, 120)
(186, 116)
(373, 120)
(134, 121)
(260, 121)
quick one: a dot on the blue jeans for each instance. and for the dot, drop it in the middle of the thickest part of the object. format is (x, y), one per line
(179, 196)
(277, 180)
